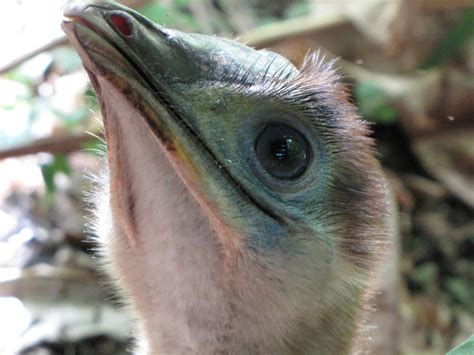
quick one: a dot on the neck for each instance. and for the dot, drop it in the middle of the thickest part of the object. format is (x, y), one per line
(189, 296)
(172, 278)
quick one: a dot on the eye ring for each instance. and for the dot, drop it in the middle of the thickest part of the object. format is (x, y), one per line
(283, 151)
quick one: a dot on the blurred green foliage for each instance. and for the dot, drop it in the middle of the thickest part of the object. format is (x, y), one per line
(169, 16)
(454, 39)
(461, 291)
(59, 164)
(373, 103)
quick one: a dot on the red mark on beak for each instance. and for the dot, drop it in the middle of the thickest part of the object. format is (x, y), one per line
(121, 24)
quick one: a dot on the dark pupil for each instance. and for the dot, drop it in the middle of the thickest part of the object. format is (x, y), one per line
(282, 151)
(281, 148)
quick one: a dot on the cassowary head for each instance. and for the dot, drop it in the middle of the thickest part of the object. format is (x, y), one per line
(244, 211)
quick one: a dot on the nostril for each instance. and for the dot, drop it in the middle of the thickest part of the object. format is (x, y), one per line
(122, 24)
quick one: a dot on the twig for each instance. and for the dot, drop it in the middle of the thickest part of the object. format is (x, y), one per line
(59, 41)
(46, 47)
(53, 145)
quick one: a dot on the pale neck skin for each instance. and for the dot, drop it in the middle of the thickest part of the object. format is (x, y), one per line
(189, 297)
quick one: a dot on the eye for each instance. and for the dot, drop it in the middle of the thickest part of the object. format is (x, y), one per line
(283, 151)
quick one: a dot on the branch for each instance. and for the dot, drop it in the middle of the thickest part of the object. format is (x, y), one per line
(300, 26)
(53, 145)
(61, 41)
(46, 47)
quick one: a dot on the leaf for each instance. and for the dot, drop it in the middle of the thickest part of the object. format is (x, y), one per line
(59, 164)
(461, 290)
(465, 348)
(48, 177)
(374, 103)
(424, 275)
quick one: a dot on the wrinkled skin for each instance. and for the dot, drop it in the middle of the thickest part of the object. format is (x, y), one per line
(214, 253)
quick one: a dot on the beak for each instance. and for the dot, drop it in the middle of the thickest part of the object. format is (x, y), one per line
(136, 56)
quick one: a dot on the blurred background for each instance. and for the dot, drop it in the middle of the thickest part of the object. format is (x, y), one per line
(409, 65)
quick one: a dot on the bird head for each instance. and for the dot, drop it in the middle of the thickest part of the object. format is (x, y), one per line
(269, 163)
